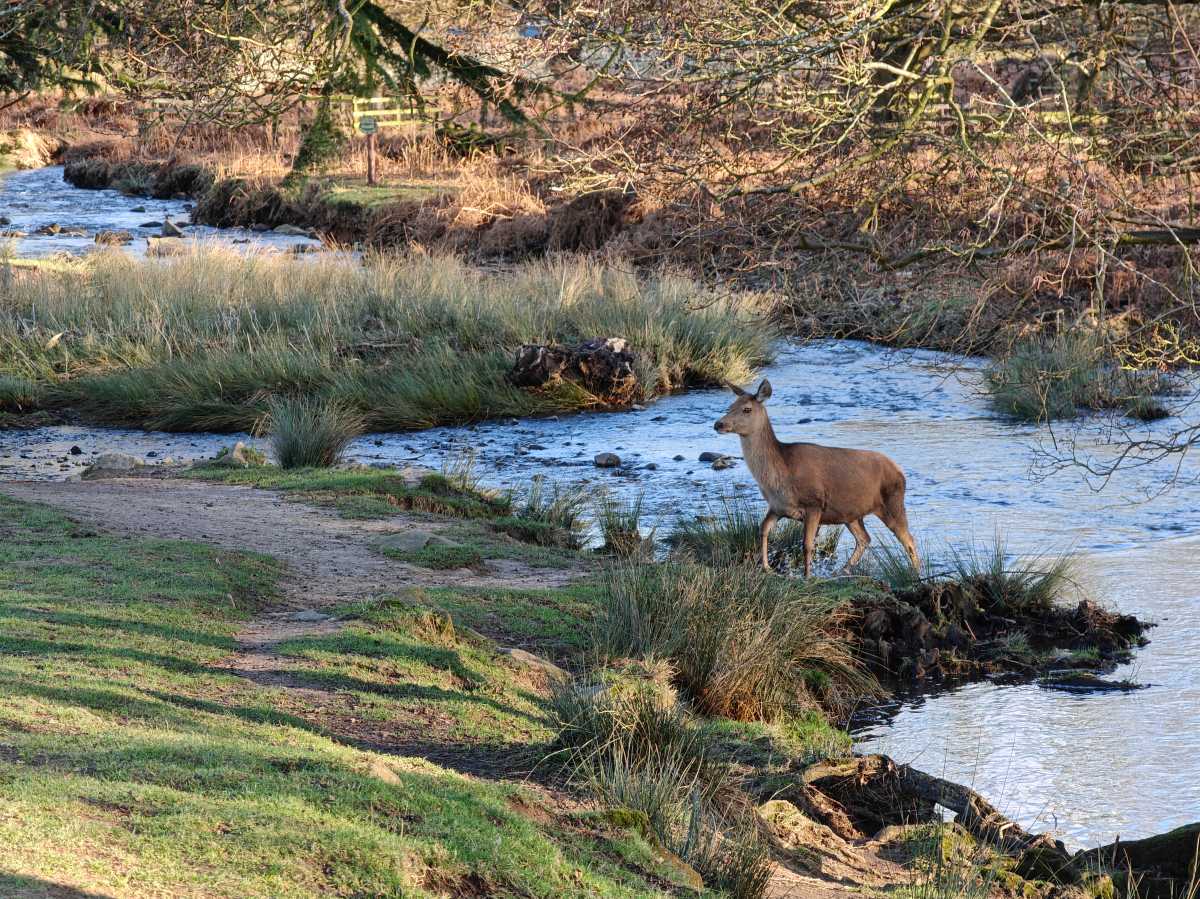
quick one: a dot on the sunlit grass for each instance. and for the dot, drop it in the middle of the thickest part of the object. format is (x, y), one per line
(206, 340)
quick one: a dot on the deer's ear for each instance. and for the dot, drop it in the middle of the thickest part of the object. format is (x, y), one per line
(734, 388)
(764, 391)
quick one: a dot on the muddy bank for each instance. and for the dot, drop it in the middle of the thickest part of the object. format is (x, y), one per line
(872, 805)
(960, 630)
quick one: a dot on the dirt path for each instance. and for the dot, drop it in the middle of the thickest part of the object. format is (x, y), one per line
(329, 560)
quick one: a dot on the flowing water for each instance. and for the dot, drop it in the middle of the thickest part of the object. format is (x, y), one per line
(1089, 767)
(37, 198)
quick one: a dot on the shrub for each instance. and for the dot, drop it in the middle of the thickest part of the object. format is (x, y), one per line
(322, 141)
(743, 643)
(1049, 378)
(310, 433)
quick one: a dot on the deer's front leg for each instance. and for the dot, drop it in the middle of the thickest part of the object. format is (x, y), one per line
(812, 523)
(765, 531)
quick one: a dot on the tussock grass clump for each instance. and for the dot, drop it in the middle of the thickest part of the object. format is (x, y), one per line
(1056, 377)
(309, 433)
(202, 340)
(729, 533)
(744, 644)
(17, 394)
(1019, 584)
(623, 734)
(547, 515)
(888, 563)
(1001, 581)
(620, 522)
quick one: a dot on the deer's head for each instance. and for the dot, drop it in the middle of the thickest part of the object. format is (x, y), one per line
(746, 415)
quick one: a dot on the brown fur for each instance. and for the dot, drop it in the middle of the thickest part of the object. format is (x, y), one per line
(817, 484)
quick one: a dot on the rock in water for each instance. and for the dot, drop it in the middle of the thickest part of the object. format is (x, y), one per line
(723, 462)
(170, 229)
(113, 238)
(607, 460)
(111, 465)
(709, 456)
(290, 231)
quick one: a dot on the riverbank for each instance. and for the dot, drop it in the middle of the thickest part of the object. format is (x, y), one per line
(200, 342)
(325, 643)
(500, 211)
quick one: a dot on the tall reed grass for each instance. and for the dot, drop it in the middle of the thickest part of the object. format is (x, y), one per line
(309, 433)
(204, 341)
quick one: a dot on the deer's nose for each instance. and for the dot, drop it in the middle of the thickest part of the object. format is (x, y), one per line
(717, 427)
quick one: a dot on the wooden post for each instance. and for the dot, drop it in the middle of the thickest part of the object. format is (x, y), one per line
(371, 159)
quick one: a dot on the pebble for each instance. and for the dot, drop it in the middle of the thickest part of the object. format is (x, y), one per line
(607, 460)
(75, 451)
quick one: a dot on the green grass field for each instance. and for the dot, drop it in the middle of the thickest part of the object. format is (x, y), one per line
(133, 765)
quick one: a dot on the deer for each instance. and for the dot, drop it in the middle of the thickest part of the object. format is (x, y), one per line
(816, 484)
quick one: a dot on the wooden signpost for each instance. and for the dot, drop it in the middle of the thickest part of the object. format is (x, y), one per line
(373, 113)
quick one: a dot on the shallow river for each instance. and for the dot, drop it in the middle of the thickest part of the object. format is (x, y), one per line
(1089, 767)
(36, 198)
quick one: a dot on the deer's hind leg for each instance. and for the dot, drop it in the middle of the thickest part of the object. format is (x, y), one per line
(861, 541)
(768, 522)
(896, 518)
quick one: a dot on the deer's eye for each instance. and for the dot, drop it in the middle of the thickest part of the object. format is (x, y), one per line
(746, 410)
